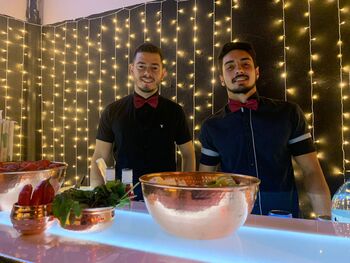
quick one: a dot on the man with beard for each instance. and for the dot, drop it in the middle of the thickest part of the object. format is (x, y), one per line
(257, 136)
(143, 127)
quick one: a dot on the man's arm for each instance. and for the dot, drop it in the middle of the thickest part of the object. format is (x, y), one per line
(315, 183)
(207, 168)
(102, 150)
(188, 157)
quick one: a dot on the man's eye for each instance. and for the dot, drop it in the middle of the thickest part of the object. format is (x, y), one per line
(230, 67)
(155, 68)
(140, 67)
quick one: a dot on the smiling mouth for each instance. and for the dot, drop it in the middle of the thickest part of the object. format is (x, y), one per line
(240, 78)
(147, 81)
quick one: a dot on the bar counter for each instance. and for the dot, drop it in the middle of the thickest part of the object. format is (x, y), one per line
(135, 237)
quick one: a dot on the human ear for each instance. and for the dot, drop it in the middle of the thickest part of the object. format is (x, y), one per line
(222, 81)
(257, 72)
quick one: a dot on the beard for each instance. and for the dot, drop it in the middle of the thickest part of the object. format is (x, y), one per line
(241, 89)
(147, 88)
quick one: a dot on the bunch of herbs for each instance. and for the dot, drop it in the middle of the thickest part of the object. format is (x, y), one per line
(70, 203)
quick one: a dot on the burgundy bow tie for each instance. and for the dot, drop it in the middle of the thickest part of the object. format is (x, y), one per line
(235, 105)
(140, 101)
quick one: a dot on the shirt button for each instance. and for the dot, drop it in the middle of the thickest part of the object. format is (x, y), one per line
(252, 164)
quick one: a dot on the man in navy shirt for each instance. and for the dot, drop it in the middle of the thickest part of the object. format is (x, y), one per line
(143, 128)
(257, 136)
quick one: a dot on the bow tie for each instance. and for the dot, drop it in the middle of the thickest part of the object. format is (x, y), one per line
(140, 101)
(235, 105)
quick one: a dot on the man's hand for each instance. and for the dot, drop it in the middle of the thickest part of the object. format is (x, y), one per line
(102, 150)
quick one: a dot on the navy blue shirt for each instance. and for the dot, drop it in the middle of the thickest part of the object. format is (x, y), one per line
(144, 139)
(260, 143)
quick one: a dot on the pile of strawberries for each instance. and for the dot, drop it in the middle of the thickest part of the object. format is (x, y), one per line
(27, 166)
(43, 194)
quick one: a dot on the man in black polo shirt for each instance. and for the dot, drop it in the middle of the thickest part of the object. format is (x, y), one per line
(257, 136)
(142, 128)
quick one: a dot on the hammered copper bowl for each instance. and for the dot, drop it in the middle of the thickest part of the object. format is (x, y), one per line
(11, 183)
(91, 220)
(29, 220)
(183, 204)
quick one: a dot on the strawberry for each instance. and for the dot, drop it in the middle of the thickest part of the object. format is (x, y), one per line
(25, 194)
(48, 194)
(37, 196)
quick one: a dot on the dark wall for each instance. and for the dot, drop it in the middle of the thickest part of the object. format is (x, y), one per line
(84, 63)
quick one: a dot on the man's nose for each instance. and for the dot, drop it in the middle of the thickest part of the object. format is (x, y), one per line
(239, 70)
(147, 71)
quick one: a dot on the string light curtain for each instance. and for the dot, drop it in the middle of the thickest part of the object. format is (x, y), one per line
(82, 66)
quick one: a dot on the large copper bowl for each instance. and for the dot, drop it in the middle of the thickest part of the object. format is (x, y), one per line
(185, 206)
(11, 183)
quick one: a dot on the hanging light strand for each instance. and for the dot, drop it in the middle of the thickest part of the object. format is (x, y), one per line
(53, 95)
(340, 57)
(22, 93)
(100, 76)
(213, 60)
(312, 83)
(76, 105)
(194, 69)
(41, 95)
(64, 94)
(284, 75)
(7, 67)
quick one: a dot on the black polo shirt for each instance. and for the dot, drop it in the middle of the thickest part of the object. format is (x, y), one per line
(260, 143)
(144, 139)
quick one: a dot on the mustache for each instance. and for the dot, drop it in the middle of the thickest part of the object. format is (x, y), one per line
(239, 76)
(147, 79)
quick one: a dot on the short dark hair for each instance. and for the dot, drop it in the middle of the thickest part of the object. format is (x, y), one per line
(149, 48)
(246, 46)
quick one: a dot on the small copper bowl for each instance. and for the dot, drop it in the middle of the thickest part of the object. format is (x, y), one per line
(91, 220)
(30, 220)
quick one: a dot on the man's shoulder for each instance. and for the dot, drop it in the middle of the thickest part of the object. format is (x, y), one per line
(276, 104)
(170, 104)
(119, 104)
(217, 116)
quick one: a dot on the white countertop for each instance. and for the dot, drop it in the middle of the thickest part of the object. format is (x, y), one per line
(261, 239)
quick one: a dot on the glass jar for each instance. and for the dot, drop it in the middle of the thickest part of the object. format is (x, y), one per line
(341, 204)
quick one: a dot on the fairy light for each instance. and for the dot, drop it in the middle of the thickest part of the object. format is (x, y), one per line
(128, 45)
(176, 48)
(160, 22)
(340, 57)
(100, 75)
(194, 67)
(76, 105)
(213, 59)
(53, 94)
(284, 74)
(63, 93)
(6, 68)
(115, 54)
(41, 93)
(144, 21)
(87, 100)
(22, 94)
(311, 70)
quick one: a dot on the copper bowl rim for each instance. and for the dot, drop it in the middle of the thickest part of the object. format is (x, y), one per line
(16, 205)
(63, 164)
(254, 181)
(98, 209)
